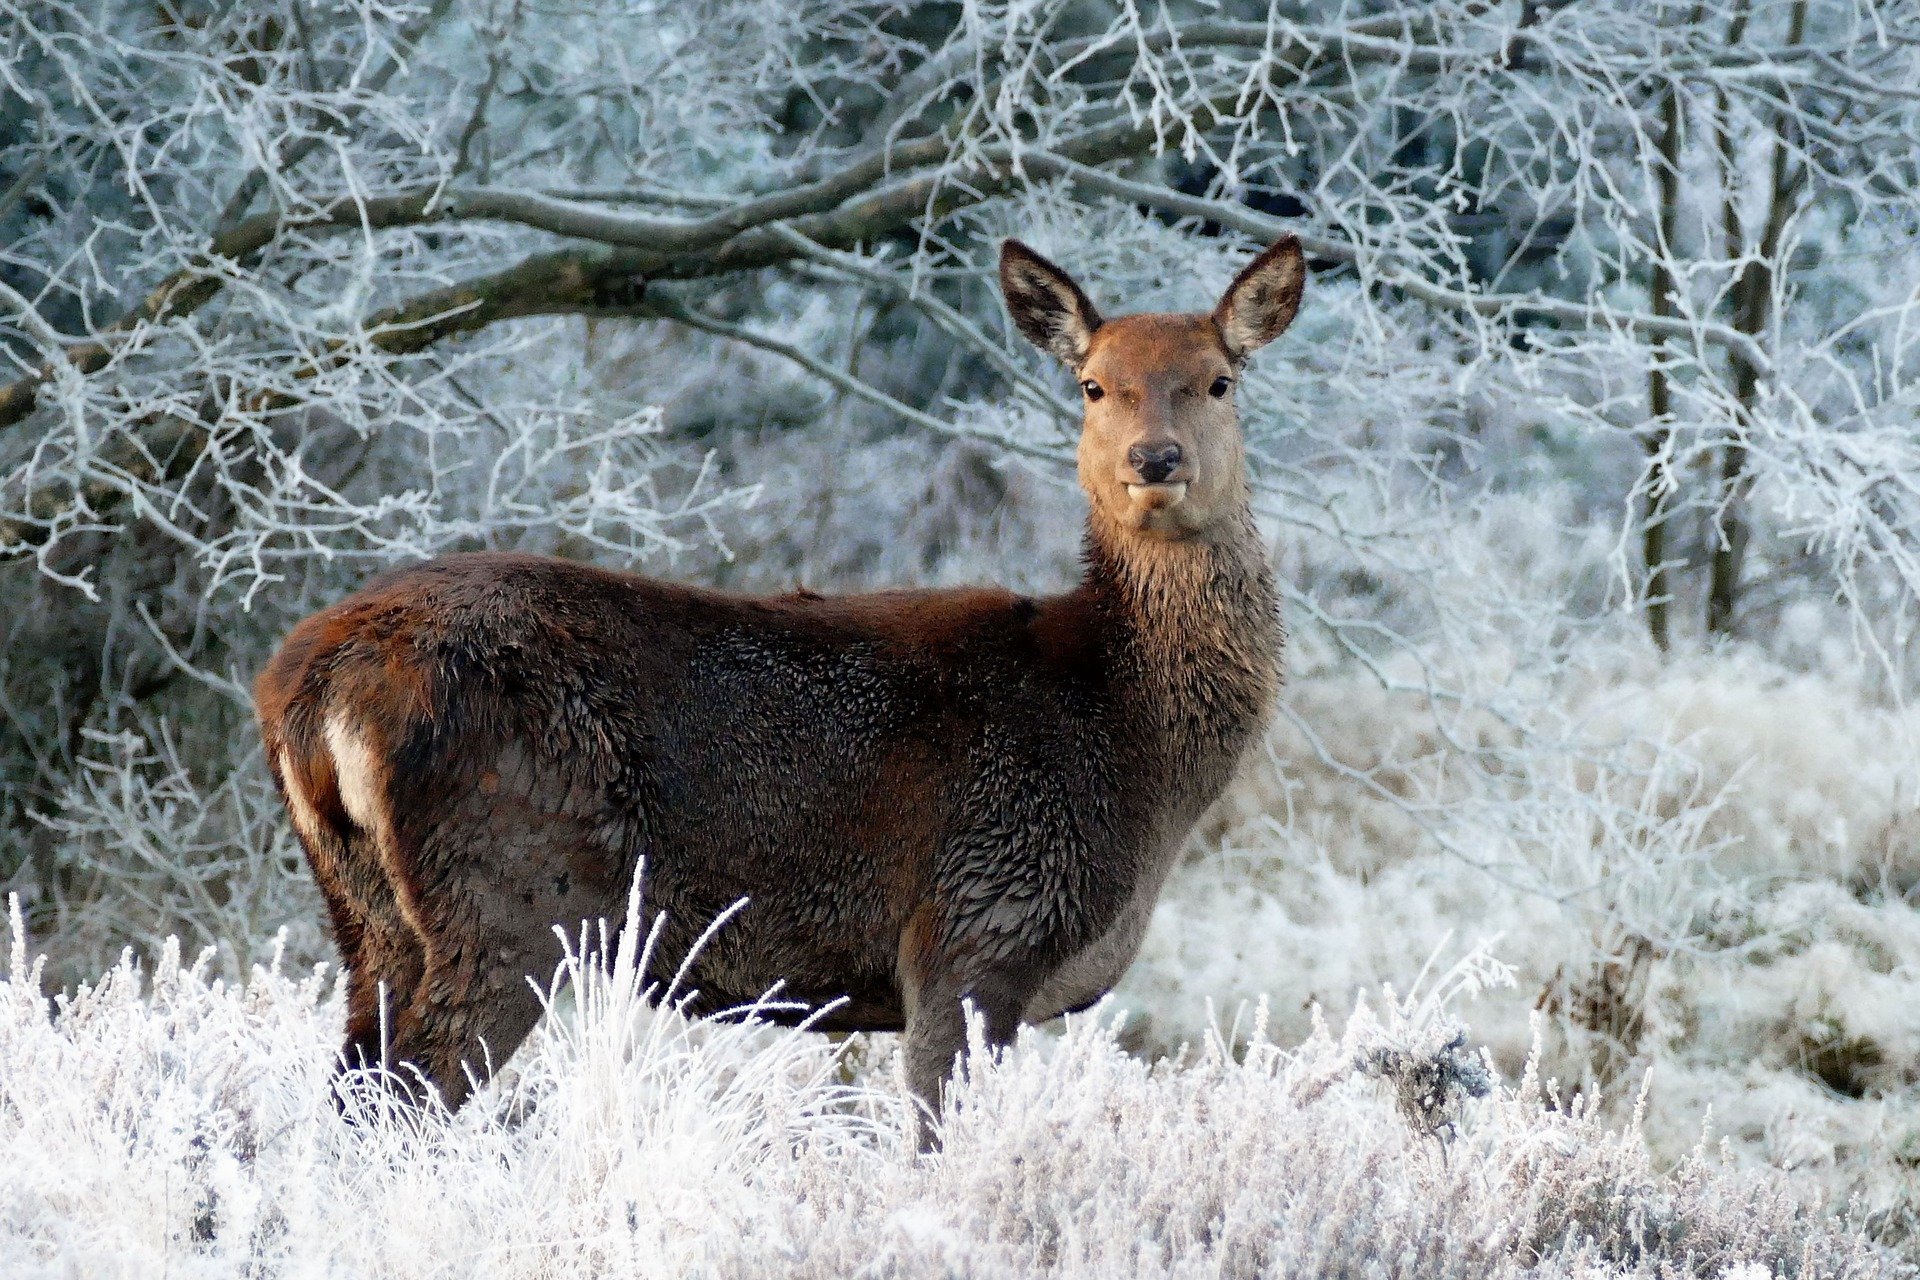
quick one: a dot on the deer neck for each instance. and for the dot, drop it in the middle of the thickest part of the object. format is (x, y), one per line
(1194, 642)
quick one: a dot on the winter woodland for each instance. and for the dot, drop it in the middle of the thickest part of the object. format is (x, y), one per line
(1568, 920)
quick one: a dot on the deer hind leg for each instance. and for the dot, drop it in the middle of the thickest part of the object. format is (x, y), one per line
(520, 858)
(385, 961)
(480, 995)
(381, 952)
(374, 896)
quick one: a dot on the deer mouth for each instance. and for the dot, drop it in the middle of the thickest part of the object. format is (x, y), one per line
(1157, 497)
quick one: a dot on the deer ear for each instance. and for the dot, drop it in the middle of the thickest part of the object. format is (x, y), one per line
(1049, 308)
(1259, 305)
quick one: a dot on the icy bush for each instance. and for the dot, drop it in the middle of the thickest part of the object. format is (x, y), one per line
(163, 1119)
(1422, 1053)
(1723, 910)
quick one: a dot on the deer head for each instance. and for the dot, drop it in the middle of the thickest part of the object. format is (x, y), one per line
(1160, 448)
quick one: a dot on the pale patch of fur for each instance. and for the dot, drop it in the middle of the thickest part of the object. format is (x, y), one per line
(359, 773)
(362, 780)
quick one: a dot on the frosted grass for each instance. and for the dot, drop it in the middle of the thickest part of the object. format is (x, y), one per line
(166, 1121)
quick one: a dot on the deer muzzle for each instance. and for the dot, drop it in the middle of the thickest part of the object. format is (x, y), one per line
(1159, 476)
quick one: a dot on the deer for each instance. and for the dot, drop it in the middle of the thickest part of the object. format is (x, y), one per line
(930, 801)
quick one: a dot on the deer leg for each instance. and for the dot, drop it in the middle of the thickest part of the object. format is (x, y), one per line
(383, 957)
(494, 946)
(477, 1000)
(385, 961)
(937, 1036)
(520, 850)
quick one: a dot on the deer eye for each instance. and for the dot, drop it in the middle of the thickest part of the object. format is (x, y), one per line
(1219, 387)
(1093, 389)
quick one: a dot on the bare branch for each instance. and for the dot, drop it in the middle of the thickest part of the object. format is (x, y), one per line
(658, 304)
(1397, 276)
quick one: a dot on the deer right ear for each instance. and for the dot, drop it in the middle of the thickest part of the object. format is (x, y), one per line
(1261, 302)
(1049, 308)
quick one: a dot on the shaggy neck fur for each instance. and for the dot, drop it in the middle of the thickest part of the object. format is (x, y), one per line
(1198, 635)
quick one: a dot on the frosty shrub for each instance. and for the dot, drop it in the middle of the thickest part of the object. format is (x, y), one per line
(1422, 1053)
(165, 1118)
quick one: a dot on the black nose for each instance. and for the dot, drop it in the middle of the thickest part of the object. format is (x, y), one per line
(1154, 462)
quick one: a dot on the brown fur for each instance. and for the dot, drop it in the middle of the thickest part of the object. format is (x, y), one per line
(926, 797)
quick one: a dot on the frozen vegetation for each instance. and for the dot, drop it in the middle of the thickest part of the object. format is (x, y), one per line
(1589, 469)
(167, 1120)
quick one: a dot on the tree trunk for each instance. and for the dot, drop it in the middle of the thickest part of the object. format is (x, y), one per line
(1659, 437)
(1753, 312)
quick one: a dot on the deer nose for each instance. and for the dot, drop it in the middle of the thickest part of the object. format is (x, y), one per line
(1154, 462)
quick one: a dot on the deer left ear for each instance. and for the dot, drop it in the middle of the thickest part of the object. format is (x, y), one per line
(1052, 311)
(1260, 303)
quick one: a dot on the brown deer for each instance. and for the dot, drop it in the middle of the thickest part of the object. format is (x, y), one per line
(928, 798)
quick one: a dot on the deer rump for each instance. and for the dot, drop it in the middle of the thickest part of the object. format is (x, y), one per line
(484, 747)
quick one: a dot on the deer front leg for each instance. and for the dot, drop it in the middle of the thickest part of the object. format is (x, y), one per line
(937, 1035)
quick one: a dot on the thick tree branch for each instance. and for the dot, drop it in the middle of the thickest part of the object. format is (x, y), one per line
(846, 198)
(545, 280)
(603, 280)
